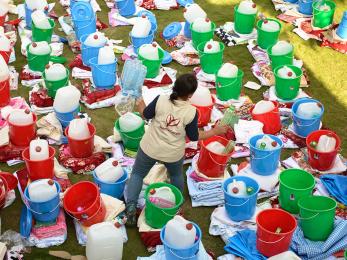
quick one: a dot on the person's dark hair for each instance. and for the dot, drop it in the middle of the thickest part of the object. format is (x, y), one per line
(184, 86)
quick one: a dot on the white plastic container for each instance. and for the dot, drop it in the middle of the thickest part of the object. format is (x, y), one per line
(237, 188)
(282, 48)
(142, 27)
(38, 150)
(4, 7)
(21, 117)
(201, 97)
(180, 233)
(109, 171)
(270, 26)
(163, 193)
(263, 107)
(55, 72)
(202, 25)
(37, 5)
(149, 51)
(286, 73)
(40, 20)
(192, 12)
(228, 70)
(106, 55)
(96, 39)
(309, 110)
(40, 48)
(325, 8)
(5, 43)
(42, 190)
(104, 242)
(4, 72)
(212, 47)
(5, 111)
(67, 99)
(326, 144)
(130, 122)
(247, 7)
(267, 143)
(215, 147)
(78, 129)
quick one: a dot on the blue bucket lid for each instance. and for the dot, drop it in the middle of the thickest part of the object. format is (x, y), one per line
(25, 221)
(183, 3)
(167, 58)
(82, 11)
(150, 16)
(172, 30)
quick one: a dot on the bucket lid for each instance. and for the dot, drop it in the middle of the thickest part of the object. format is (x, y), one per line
(183, 3)
(25, 222)
(172, 30)
(167, 58)
(82, 11)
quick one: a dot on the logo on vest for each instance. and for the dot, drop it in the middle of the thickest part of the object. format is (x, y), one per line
(170, 124)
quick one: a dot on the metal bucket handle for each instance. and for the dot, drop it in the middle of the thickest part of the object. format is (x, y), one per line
(188, 257)
(237, 205)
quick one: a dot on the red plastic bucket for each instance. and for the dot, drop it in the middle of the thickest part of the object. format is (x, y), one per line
(5, 96)
(204, 114)
(11, 180)
(81, 148)
(271, 120)
(83, 202)
(322, 161)
(212, 164)
(39, 169)
(3, 191)
(21, 135)
(270, 243)
(6, 55)
(2, 20)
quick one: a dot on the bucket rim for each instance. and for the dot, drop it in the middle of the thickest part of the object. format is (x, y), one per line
(26, 191)
(51, 22)
(260, 22)
(316, 210)
(309, 100)
(86, 209)
(92, 131)
(33, 123)
(93, 59)
(26, 157)
(151, 33)
(198, 232)
(273, 233)
(338, 140)
(65, 78)
(332, 5)
(240, 73)
(117, 126)
(229, 180)
(117, 182)
(236, 7)
(296, 189)
(201, 49)
(78, 109)
(213, 27)
(261, 135)
(40, 55)
(215, 139)
(298, 71)
(179, 204)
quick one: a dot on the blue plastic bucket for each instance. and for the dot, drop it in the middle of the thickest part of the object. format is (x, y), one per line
(191, 253)
(291, 1)
(342, 29)
(125, 7)
(302, 126)
(104, 75)
(264, 162)
(240, 208)
(84, 28)
(88, 52)
(116, 189)
(187, 32)
(66, 118)
(305, 7)
(47, 211)
(83, 18)
(137, 42)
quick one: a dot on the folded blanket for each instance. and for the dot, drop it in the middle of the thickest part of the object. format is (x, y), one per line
(336, 186)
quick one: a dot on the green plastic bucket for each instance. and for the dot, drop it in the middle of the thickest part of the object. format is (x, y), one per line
(39, 35)
(279, 60)
(229, 88)
(294, 185)
(288, 89)
(243, 23)
(267, 39)
(199, 37)
(322, 19)
(155, 216)
(317, 215)
(153, 66)
(131, 140)
(210, 62)
(53, 86)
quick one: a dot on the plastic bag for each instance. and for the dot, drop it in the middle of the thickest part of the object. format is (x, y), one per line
(124, 104)
(133, 76)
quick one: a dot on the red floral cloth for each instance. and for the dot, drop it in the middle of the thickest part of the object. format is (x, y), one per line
(77, 62)
(330, 39)
(10, 152)
(151, 239)
(26, 75)
(40, 98)
(166, 80)
(79, 165)
(91, 95)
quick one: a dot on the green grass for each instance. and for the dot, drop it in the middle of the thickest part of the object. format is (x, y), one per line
(326, 69)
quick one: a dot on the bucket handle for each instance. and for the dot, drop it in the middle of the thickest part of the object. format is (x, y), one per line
(237, 205)
(106, 72)
(274, 242)
(40, 213)
(220, 164)
(314, 121)
(85, 216)
(133, 138)
(261, 158)
(182, 257)
(231, 83)
(309, 218)
(167, 214)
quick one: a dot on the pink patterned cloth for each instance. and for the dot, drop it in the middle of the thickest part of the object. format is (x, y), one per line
(16, 103)
(59, 229)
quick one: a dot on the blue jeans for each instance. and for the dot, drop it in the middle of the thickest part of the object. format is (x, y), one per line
(143, 164)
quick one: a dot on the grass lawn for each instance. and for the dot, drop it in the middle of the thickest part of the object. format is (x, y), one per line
(326, 69)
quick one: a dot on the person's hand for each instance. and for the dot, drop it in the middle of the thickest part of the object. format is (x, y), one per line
(220, 130)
